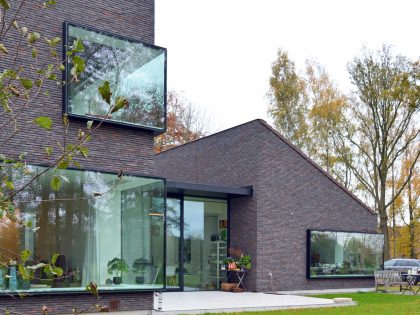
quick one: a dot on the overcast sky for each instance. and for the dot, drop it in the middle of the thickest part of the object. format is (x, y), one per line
(220, 51)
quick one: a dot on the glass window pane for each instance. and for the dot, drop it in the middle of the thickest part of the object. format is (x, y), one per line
(343, 254)
(205, 243)
(173, 235)
(105, 229)
(135, 71)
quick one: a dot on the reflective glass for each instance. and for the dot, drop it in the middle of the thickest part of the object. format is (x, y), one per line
(135, 71)
(343, 254)
(205, 243)
(105, 229)
(173, 238)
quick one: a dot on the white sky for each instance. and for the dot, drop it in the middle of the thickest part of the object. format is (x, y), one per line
(220, 51)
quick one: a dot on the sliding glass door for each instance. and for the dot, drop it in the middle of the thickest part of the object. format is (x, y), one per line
(205, 242)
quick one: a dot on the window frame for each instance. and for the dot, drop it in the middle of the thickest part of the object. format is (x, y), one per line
(83, 291)
(308, 256)
(65, 92)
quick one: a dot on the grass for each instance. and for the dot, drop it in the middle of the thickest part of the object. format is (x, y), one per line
(368, 303)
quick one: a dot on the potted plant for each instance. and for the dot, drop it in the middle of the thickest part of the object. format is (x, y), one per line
(117, 267)
(245, 262)
(139, 267)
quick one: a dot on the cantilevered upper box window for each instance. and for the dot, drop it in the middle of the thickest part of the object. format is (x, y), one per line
(135, 70)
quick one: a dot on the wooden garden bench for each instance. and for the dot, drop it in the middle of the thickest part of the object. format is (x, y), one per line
(388, 278)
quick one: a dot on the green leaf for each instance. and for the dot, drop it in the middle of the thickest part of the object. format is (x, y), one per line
(58, 271)
(43, 122)
(120, 102)
(25, 254)
(9, 184)
(89, 124)
(33, 37)
(63, 164)
(105, 92)
(55, 183)
(48, 150)
(77, 46)
(92, 288)
(62, 67)
(54, 258)
(26, 83)
(84, 151)
(5, 4)
(78, 65)
(23, 272)
(55, 41)
(34, 52)
(3, 49)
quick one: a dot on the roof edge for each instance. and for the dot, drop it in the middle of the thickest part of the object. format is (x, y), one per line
(307, 158)
(213, 134)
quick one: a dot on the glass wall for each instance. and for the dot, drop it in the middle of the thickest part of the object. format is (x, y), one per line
(135, 70)
(105, 229)
(344, 254)
(205, 242)
(173, 242)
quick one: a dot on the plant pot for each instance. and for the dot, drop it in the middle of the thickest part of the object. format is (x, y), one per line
(117, 280)
(228, 286)
(140, 280)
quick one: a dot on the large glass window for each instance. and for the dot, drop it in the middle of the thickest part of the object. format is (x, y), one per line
(134, 69)
(173, 242)
(344, 254)
(205, 242)
(105, 229)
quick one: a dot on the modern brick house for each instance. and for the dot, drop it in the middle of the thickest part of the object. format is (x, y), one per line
(291, 195)
(168, 223)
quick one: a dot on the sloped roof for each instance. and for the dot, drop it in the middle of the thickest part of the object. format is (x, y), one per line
(289, 144)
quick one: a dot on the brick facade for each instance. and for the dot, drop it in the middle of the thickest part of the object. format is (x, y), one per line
(291, 195)
(63, 304)
(112, 148)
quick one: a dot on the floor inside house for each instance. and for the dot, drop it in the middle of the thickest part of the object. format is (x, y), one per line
(217, 301)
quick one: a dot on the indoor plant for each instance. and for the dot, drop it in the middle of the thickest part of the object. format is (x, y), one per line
(139, 267)
(117, 267)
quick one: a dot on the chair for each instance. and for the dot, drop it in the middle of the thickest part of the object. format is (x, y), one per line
(171, 276)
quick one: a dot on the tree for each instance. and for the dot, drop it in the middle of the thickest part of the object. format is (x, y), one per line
(327, 106)
(408, 202)
(184, 123)
(383, 125)
(308, 110)
(288, 100)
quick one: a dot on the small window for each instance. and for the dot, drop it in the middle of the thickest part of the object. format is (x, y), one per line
(135, 70)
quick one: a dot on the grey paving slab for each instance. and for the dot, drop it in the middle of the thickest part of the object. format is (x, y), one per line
(210, 302)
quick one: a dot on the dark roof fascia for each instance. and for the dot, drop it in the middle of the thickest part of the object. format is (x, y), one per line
(204, 189)
(307, 158)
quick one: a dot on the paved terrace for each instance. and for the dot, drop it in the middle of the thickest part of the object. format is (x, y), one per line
(216, 301)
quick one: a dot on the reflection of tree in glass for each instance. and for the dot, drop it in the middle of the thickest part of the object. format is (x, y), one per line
(121, 63)
(360, 255)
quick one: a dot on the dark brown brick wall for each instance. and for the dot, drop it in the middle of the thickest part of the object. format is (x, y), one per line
(63, 304)
(291, 195)
(111, 148)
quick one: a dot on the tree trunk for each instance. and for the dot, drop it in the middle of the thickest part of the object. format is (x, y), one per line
(383, 225)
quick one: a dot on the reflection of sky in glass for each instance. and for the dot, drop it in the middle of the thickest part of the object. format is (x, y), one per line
(194, 221)
(135, 71)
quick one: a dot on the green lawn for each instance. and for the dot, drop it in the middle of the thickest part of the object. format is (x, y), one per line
(368, 303)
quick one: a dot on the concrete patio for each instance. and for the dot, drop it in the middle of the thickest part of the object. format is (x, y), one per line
(216, 302)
